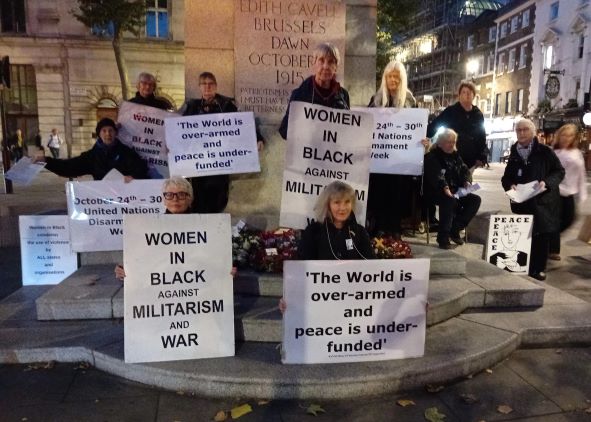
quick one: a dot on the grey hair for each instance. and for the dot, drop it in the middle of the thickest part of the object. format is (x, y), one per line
(180, 183)
(527, 122)
(336, 189)
(442, 135)
(326, 49)
(147, 75)
(383, 93)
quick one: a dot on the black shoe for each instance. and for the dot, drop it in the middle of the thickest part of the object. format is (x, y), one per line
(538, 276)
(447, 246)
(456, 239)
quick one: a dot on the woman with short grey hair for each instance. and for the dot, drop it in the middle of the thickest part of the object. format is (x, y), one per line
(322, 87)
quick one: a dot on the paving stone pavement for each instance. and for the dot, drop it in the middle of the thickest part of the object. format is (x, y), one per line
(541, 385)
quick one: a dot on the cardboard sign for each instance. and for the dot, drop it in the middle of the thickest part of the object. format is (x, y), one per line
(142, 129)
(396, 144)
(178, 300)
(211, 144)
(96, 210)
(45, 249)
(323, 145)
(352, 311)
(509, 242)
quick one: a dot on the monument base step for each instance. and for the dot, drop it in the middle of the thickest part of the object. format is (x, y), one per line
(455, 348)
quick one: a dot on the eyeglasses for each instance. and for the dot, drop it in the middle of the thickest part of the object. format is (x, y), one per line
(172, 195)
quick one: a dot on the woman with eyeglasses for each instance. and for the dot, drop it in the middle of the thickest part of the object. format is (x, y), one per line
(178, 196)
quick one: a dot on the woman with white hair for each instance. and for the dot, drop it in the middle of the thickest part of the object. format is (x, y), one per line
(390, 194)
(445, 174)
(530, 161)
(322, 87)
(336, 233)
(177, 194)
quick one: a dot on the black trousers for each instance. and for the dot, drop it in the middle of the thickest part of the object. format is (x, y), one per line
(567, 216)
(210, 193)
(455, 214)
(540, 244)
(389, 199)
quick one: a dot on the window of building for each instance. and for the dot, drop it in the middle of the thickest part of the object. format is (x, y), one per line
(492, 34)
(514, 23)
(523, 56)
(525, 19)
(498, 104)
(503, 29)
(519, 105)
(103, 31)
(581, 45)
(577, 87)
(157, 18)
(470, 43)
(554, 11)
(508, 100)
(511, 64)
(491, 62)
(12, 16)
(501, 63)
(549, 57)
(22, 95)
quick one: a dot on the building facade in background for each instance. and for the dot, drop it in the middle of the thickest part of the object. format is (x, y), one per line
(64, 75)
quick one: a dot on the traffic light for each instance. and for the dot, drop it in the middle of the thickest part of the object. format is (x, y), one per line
(5, 72)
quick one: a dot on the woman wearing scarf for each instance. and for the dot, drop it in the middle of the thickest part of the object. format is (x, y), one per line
(108, 153)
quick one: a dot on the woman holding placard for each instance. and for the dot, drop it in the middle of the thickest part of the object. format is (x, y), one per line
(177, 194)
(389, 193)
(322, 87)
(566, 142)
(336, 234)
(108, 153)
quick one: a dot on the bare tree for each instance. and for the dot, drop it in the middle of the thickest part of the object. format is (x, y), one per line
(114, 17)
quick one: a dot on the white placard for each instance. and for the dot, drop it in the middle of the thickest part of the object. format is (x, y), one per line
(211, 144)
(142, 129)
(509, 242)
(24, 171)
(396, 145)
(45, 249)
(323, 145)
(352, 311)
(96, 210)
(178, 300)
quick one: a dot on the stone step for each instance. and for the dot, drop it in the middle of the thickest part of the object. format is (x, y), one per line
(92, 292)
(455, 348)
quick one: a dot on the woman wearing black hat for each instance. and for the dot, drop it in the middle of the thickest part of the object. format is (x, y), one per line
(108, 153)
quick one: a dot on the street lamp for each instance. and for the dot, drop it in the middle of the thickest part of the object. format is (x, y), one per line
(587, 118)
(471, 68)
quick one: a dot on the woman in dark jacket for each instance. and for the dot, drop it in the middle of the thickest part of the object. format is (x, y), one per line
(531, 161)
(336, 234)
(445, 174)
(108, 153)
(321, 88)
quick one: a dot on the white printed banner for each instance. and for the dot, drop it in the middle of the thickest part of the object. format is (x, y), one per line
(323, 145)
(352, 311)
(96, 210)
(509, 242)
(178, 301)
(212, 144)
(46, 257)
(142, 128)
(396, 146)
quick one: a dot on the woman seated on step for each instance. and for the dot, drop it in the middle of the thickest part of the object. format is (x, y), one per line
(177, 193)
(336, 233)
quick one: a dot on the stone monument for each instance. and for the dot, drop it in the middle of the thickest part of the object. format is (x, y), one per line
(260, 50)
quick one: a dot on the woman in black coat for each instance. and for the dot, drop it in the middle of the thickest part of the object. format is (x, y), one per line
(531, 161)
(108, 153)
(321, 88)
(336, 234)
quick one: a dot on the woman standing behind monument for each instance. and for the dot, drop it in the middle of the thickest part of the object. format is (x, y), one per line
(566, 142)
(389, 193)
(322, 87)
